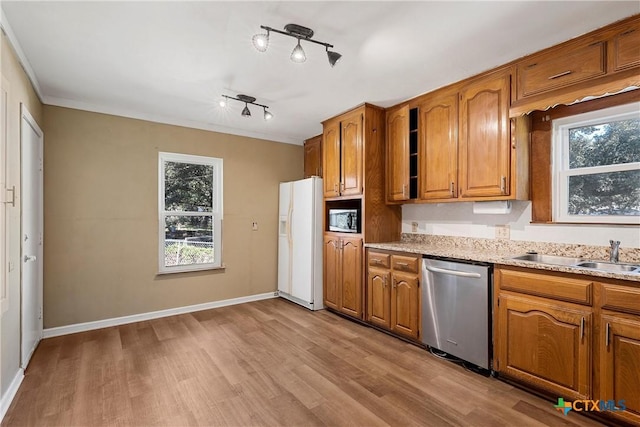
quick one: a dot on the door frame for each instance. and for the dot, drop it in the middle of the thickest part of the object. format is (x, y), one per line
(27, 121)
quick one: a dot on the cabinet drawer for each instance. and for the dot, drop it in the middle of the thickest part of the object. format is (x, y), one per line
(546, 285)
(379, 259)
(405, 263)
(620, 298)
(560, 68)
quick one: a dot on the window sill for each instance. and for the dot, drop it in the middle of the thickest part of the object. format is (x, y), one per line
(220, 269)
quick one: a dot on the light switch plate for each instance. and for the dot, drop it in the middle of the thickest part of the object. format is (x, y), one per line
(254, 226)
(414, 227)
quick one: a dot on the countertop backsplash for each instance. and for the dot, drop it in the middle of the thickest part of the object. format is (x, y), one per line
(519, 247)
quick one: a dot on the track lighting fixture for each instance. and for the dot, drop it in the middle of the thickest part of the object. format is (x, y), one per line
(247, 100)
(261, 42)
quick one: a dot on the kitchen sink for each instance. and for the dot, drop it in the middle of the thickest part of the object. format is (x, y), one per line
(609, 266)
(578, 263)
(549, 259)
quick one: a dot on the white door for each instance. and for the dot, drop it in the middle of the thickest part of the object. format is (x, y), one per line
(31, 138)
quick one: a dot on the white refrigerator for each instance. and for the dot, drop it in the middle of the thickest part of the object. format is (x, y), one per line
(300, 242)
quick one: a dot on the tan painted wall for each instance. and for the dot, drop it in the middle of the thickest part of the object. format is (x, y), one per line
(101, 220)
(20, 91)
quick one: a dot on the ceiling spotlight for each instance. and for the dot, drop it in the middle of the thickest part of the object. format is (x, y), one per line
(247, 100)
(334, 57)
(261, 42)
(298, 55)
(223, 103)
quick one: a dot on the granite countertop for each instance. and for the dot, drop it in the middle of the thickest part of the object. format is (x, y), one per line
(501, 252)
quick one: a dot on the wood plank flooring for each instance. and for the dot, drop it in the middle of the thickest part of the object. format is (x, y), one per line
(267, 363)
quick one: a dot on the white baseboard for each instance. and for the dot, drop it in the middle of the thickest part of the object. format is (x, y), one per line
(7, 398)
(99, 324)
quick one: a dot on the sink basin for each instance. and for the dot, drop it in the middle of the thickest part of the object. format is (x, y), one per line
(609, 266)
(549, 259)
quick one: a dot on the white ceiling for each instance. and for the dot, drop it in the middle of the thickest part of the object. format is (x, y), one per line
(171, 61)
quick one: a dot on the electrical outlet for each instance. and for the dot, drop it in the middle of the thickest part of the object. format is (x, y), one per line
(503, 232)
(414, 227)
(254, 226)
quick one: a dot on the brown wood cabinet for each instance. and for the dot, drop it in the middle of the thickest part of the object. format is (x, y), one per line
(343, 155)
(619, 349)
(393, 292)
(546, 343)
(570, 335)
(561, 67)
(343, 274)
(313, 157)
(438, 130)
(485, 142)
(331, 153)
(398, 154)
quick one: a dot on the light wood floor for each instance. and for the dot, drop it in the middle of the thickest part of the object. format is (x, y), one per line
(264, 363)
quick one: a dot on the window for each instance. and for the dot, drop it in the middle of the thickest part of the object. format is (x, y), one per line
(190, 212)
(597, 166)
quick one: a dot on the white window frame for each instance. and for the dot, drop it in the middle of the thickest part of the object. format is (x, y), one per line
(216, 212)
(561, 171)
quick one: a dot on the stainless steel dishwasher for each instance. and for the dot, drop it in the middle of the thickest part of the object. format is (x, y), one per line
(455, 309)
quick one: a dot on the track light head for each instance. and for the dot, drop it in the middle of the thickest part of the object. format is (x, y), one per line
(267, 115)
(245, 111)
(298, 55)
(334, 57)
(261, 41)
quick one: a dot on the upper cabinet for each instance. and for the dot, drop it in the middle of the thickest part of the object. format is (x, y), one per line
(438, 132)
(398, 154)
(485, 143)
(466, 147)
(331, 158)
(605, 61)
(313, 157)
(561, 67)
(342, 155)
(351, 140)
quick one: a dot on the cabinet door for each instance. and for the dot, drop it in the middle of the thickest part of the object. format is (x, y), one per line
(331, 277)
(398, 154)
(331, 159)
(620, 363)
(485, 147)
(313, 157)
(351, 291)
(439, 147)
(378, 297)
(405, 304)
(352, 152)
(546, 343)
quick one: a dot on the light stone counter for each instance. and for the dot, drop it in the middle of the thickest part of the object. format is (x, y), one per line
(501, 252)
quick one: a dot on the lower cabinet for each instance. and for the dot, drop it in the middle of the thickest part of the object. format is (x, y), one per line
(343, 274)
(619, 350)
(393, 292)
(575, 337)
(546, 343)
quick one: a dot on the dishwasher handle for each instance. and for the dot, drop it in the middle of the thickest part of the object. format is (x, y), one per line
(453, 272)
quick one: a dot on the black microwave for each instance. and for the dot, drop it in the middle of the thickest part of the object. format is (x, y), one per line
(344, 220)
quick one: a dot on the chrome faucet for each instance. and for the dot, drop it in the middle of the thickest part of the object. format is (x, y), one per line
(614, 254)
